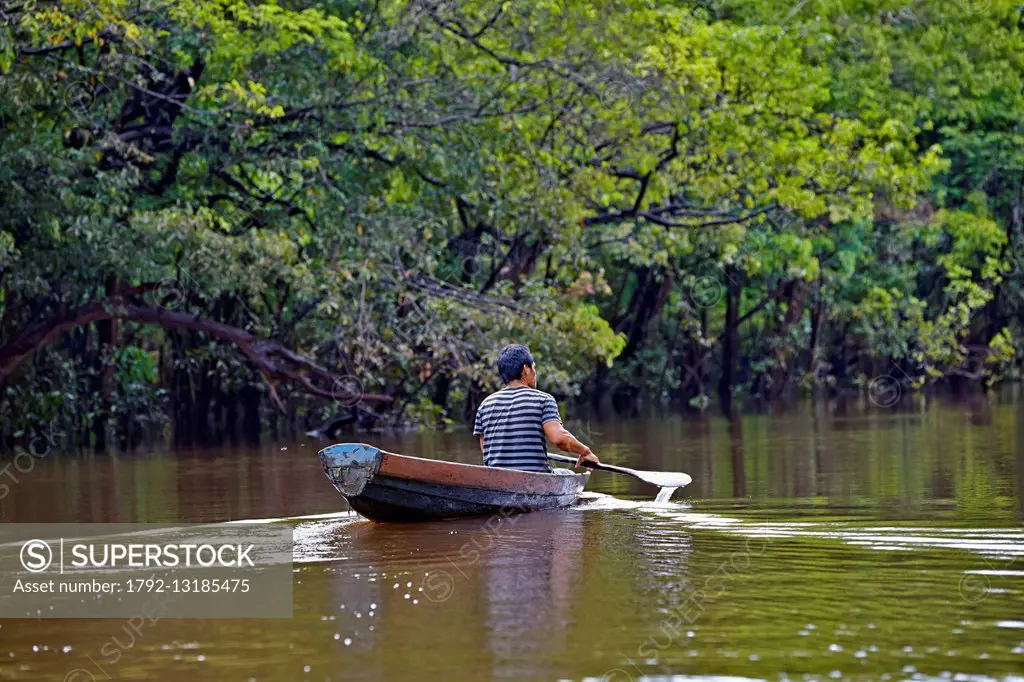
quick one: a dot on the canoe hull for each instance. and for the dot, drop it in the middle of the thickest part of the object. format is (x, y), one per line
(384, 486)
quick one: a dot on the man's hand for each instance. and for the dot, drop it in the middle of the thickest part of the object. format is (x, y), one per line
(587, 456)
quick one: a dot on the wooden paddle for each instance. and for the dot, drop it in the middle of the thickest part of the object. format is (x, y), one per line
(662, 479)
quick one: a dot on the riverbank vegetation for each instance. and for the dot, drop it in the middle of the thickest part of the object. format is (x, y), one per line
(214, 211)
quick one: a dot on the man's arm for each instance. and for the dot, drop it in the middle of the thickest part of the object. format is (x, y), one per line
(478, 427)
(560, 436)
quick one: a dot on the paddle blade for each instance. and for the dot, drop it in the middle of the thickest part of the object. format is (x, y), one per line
(664, 479)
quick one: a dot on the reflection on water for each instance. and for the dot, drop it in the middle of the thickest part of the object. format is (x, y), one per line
(529, 582)
(822, 544)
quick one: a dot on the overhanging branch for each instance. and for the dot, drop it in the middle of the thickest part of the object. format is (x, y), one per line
(274, 360)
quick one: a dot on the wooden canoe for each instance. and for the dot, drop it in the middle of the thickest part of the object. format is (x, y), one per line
(384, 486)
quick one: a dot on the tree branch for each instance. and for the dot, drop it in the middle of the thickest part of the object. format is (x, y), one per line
(274, 360)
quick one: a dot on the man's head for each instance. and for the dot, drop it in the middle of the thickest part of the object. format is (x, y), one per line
(516, 362)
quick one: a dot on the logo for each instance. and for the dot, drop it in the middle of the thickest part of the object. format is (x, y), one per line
(706, 292)
(884, 390)
(439, 585)
(36, 556)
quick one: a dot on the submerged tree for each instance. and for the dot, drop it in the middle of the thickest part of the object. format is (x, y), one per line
(348, 207)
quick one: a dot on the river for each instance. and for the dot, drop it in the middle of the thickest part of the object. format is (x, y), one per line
(832, 541)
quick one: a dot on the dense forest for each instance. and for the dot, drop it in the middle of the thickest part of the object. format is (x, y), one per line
(337, 212)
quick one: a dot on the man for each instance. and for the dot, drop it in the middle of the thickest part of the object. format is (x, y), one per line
(513, 423)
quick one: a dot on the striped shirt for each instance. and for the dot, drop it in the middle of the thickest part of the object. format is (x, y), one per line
(512, 424)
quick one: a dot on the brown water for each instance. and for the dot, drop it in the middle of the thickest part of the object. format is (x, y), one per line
(825, 543)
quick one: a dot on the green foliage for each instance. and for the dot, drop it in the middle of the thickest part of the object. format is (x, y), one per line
(397, 189)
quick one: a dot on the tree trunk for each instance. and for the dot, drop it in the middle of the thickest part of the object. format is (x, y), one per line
(104, 367)
(251, 423)
(781, 374)
(442, 386)
(817, 317)
(730, 338)
(646, 304)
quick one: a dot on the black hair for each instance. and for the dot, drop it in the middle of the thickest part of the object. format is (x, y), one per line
(511, 361)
